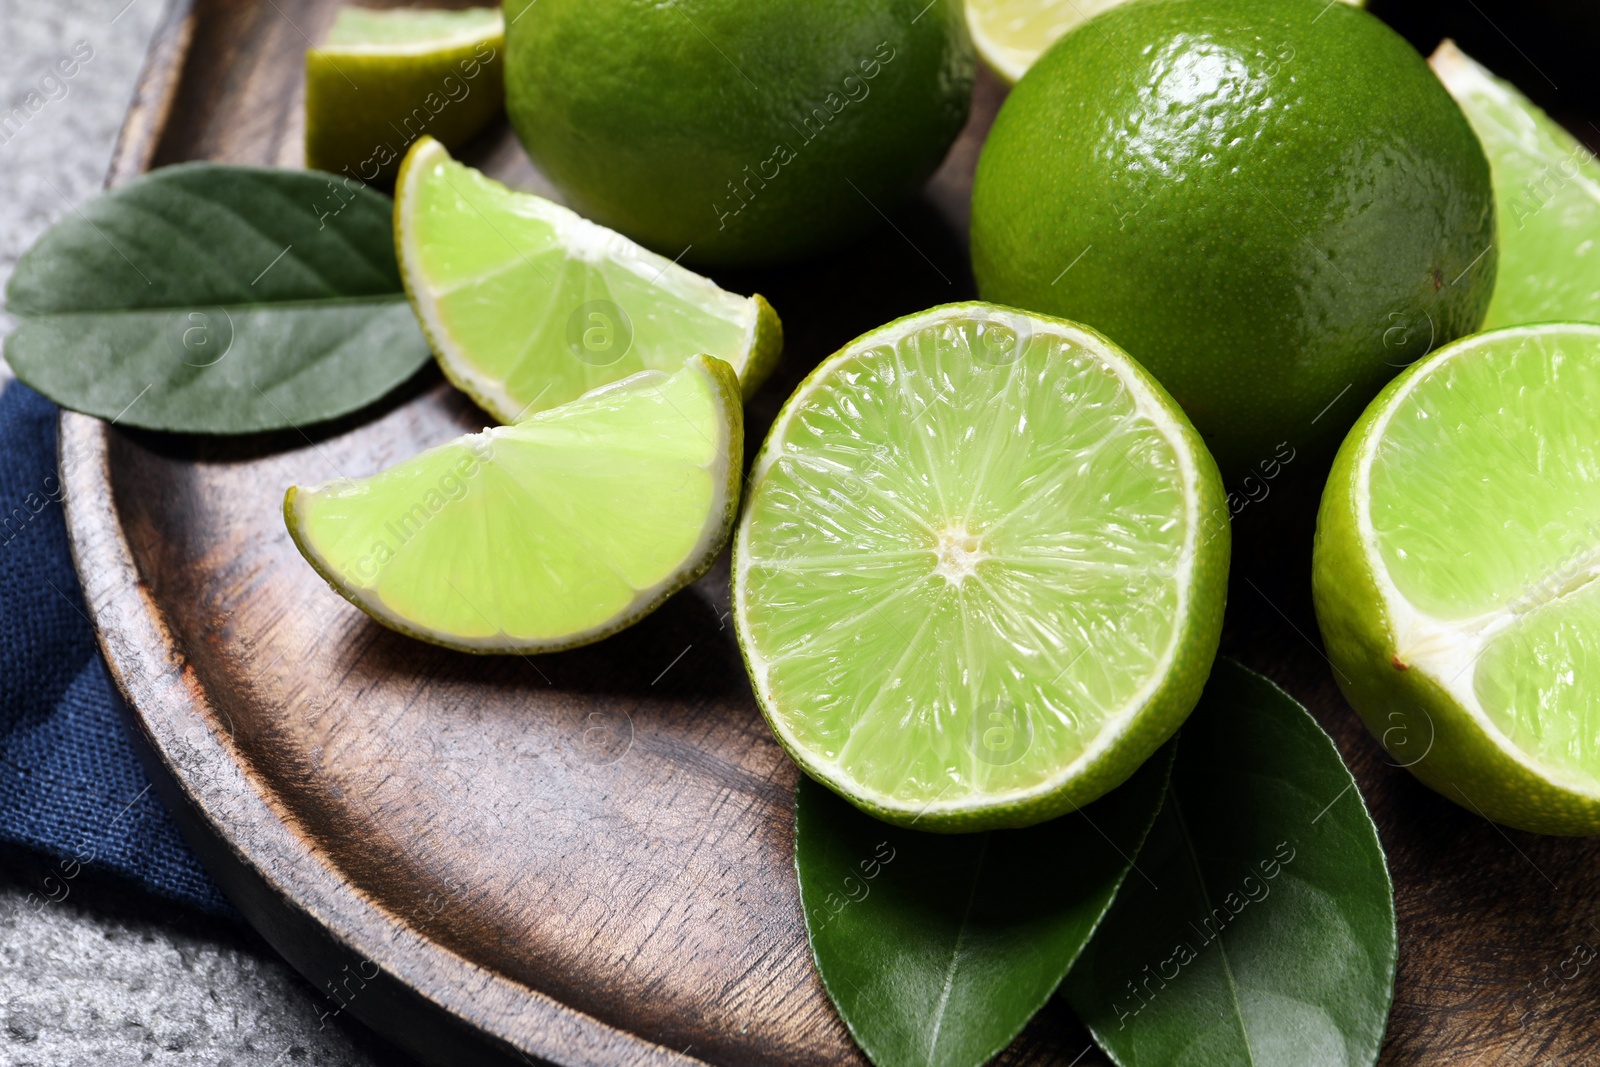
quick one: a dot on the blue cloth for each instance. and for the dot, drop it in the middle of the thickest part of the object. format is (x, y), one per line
(71, 787)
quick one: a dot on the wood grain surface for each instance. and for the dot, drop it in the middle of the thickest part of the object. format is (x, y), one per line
(586, 858)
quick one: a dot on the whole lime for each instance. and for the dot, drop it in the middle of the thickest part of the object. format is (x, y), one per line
(1272, 204)
(737, 131)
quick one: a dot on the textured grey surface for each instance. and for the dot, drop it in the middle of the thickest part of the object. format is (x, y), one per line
(105, 977)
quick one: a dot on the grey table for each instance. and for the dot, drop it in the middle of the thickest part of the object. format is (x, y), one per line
(107, 977)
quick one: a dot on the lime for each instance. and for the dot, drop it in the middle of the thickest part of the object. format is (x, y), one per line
(555, 532)
(1547, 200)
(528, 305)
(384, 78)
(1011, 34)
(981, 574)
(1271, 204)
(1454, 572)
(731, 132)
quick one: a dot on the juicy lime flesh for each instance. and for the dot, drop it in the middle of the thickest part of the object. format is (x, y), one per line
(1015, 32)
(1485, 504)
(1547, 200)
(1011, 34)
(359, 27)
(536, 532)
(538, 305)
(1535, 679)
(958, 571)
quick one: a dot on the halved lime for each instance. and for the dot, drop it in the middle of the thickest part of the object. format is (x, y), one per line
(981, 574)
(384, 78)
(528, 305)
(1457, 550)
(1547, 199)
(555, 532)
(1011, 34)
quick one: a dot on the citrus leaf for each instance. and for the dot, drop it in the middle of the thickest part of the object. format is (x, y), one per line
(216, 299)
(1265, 935)
(938, 948)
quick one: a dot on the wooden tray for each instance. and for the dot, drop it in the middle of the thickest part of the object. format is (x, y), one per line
(586, 858)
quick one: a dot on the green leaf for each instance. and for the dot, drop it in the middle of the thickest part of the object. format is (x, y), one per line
(1268, 936)
(216, 299)
(937, 949)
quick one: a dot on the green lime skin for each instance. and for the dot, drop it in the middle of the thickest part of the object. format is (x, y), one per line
(734, 131)
(1273, 205)
(1422, 725)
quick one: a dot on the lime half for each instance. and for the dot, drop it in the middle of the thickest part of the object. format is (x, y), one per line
(1457, 550)
(981, 574)
(528, 305)
(555, 532)
(384, 78)
(1547, 199)
(1011, 34)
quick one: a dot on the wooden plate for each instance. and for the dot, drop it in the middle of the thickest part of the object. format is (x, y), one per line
(586, 858)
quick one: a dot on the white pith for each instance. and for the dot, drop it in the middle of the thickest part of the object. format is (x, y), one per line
(706, 546)
(1446, 651)
(581, 240)
(958, 552)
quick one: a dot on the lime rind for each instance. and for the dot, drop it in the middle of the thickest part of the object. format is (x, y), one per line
(1124, 736)
(575, 456)
(504, 284)
(1419, 673)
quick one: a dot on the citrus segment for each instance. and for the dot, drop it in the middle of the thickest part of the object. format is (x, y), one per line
(974, 583)
(1547, 199)
(1457, 548)
(551, 533)
(528, 305)
(384, 78)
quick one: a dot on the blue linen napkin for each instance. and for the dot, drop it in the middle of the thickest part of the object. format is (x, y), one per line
(71, 787)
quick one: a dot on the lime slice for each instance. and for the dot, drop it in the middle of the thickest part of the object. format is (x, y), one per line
(555, 532)
(982, 570)
(1456, 556)
(384, 78)
(1011, 34)
(528, 305)
(1547, 200)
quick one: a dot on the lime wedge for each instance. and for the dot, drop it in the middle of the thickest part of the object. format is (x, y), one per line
(1547, 199)
(528, 305)
(1011, 34)
(552, 533)
(384, 78)
(1456, 555)
(981, 574)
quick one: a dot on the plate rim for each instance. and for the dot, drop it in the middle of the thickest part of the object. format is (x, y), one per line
(429, 998)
